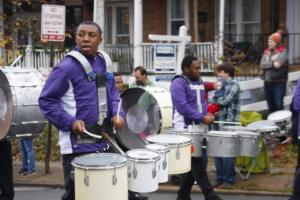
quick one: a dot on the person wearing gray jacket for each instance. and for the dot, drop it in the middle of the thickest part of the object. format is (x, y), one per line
(274, 66)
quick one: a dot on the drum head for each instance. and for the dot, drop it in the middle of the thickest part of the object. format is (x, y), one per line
(169, 139)
(99, 161)
(6, 105)
(157, 147)
(142, 155)
(222, 133)
(235, 128)
(263, 126)
(142, 118)
(279, 116)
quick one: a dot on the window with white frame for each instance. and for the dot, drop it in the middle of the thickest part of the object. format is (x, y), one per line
(177, 15)
(242, 16)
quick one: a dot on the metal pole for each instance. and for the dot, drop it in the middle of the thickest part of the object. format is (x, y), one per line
(221, 29)
(49, 136)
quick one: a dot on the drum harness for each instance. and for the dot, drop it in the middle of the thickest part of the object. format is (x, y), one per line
(101, 79)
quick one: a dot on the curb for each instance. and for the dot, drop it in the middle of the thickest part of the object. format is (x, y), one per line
(167, 188)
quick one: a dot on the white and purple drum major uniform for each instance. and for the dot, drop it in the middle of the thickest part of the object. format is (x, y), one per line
(190, 109)
(67, 96)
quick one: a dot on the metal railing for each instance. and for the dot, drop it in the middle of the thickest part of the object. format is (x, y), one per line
(253, 45)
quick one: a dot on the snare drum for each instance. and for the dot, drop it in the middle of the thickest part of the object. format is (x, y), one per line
(143, 170)
(222, 144)
(101, 176)
(249, 143)
(180, 154)
(163, 168)
(265, 127)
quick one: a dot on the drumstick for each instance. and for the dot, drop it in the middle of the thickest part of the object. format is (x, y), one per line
(106, 136)
(92, 134)
(223, 122)
(118, 111)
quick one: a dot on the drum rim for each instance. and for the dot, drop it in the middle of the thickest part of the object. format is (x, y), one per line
(218, 133)
(280, 120)
(143, 160)
(250, 135)
(104, 167)
(171, 145)
(162, 150)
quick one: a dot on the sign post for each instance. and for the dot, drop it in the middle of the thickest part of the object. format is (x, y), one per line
(53, 30)
(182, 39)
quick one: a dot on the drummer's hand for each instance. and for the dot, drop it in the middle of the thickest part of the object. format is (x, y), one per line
(208, 118)
(78, 126)
(118, 122)
(289, 140)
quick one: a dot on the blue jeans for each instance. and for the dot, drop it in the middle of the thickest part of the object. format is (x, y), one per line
(225, 171)
(27, 154)
(274, 94)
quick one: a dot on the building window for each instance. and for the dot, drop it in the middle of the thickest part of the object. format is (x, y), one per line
(242, 17)
(177, 15)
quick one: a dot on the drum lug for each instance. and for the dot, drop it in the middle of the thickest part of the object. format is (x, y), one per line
(164, 164)
(154, 172)
(86, 179)
(177, 153)
(114, 178)
(134, 172)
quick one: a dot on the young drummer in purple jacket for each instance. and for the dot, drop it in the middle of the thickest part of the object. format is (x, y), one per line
(188, 111)
(70, 101)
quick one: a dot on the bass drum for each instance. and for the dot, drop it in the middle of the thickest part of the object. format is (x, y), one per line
(20, 115)
(148, 111)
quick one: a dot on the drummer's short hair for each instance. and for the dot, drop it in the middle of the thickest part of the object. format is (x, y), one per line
(117, 74)
(187, 61)
(227, 68)
(141, 69)
(90, 23)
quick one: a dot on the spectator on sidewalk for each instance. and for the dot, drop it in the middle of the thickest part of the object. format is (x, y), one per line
(141, 78)
(274, 65)
(229, 112)
(295, 137)
(6, 172)
(28, 157)
(119, 81)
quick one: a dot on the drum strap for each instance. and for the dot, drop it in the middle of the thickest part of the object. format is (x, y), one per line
(91, 76)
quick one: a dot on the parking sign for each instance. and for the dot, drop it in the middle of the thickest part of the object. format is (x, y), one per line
(53, 22)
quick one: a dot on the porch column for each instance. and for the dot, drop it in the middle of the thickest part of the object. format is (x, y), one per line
(138, 33)
(221, 29)
(98, 15)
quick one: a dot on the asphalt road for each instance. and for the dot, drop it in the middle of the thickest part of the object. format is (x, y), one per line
(39, 193)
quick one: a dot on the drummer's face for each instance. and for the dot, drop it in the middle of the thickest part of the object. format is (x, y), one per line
(194, 71)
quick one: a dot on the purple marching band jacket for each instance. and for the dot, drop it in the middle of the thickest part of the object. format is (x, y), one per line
(296, 105)
(68, 95)
(187, 109)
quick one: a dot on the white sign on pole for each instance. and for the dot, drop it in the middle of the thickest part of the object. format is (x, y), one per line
(165, 58)
(53, 22)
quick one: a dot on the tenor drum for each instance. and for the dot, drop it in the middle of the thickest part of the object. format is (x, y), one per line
(222, 144)
(249, 143)
(180, 154)
(19, 111)
(282, 119)
(101, 176)
(265, 127)
(163, 167)
(236, 128)
(197, 134)
(143, 170)
(148, 111)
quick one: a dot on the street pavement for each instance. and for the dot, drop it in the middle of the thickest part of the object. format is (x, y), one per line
(43, 193)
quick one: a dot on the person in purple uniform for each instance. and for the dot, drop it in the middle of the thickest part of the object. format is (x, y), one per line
(188, 110)
(69, 100)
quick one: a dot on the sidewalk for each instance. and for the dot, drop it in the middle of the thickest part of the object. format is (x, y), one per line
(277, 182)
